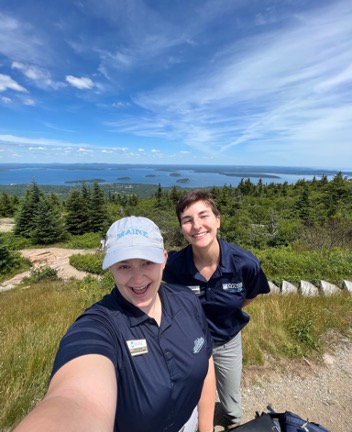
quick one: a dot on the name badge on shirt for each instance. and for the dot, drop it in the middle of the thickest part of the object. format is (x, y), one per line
(137, 347)
(233, 287)
(195, 288)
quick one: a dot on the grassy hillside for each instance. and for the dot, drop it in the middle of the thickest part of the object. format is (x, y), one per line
(34, 317)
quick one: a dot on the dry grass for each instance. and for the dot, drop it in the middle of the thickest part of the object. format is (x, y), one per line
(293, 327)
(32, 322)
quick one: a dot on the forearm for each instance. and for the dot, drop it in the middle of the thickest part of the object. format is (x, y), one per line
(206, 405)
(62, 414)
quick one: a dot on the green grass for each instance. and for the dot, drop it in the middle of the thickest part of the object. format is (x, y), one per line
(34, 318)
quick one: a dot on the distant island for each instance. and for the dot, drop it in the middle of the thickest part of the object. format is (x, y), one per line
(249, 175)
(164, 175)
(97, 180)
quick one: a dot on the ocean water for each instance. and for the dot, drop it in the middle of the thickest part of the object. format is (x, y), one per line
(165, 175)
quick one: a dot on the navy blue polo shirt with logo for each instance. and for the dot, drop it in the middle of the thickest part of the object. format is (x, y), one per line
(238, 277)
(160, 370)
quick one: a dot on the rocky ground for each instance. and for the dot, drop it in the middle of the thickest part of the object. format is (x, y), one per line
(319, 391)
(57, 258)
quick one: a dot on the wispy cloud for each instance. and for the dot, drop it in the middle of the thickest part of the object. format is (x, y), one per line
(20, 40)
(40, 76)
(239, 82)
(82, 83)
(273, 86)
(6, 82)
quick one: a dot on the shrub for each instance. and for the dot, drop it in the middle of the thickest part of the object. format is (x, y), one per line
(41, 274)
(91, 263)
(285, 264)
(15, 242)
(84, 241)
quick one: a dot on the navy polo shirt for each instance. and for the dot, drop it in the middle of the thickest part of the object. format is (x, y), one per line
(238, 276)
(157, 389)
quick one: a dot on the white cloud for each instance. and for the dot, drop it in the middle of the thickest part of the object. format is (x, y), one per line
(7, 83)
(82, 83)
(40, 76)
(6, 100)
(267, 87)
(20, 40)
(83, 150)
(20, 140)
(28, 102)
(37, 148)
(120, 104)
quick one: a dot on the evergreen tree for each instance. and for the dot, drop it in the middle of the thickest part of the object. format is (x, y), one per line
(77, 214)
(54, 200)
(7, 208)
(175, 195)
(6, 258)
(98, 214)
(303, 207)
(133, 200)
(86, 194)
(48, 225)
(24, 221)
(336, 193)
(159, 195)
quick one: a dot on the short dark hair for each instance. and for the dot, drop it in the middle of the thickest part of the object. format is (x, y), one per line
(194, 196)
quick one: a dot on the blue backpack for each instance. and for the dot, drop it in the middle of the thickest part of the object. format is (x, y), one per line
(280, 422)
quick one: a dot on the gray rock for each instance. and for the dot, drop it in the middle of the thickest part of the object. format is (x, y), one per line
(288, 288)
(329, 288)
(348, 286)
(6, 287)
(274, 289)
(308, 289)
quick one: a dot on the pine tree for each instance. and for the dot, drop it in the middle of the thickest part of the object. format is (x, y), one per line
(98, 215)
(77, 213)
(24, 221)
(48, 225)
(6, 258)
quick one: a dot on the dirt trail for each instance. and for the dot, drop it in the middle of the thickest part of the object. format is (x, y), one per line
(56, 258)
(322, 393)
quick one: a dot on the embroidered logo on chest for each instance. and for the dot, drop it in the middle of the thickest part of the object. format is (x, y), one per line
(198, 343)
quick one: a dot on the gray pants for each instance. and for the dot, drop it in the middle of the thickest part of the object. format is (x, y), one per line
(228, 371)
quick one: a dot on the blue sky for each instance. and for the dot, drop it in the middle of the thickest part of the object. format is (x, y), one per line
(243, 82)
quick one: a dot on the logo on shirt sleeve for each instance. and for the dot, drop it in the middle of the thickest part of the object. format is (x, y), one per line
(198, 343)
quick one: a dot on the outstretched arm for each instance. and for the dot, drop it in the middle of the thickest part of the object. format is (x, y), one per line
(206, 405)
(82, 396)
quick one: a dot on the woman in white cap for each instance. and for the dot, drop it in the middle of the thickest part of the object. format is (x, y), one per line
(140, 359)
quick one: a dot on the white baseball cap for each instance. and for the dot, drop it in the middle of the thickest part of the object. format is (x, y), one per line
(133, 237)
